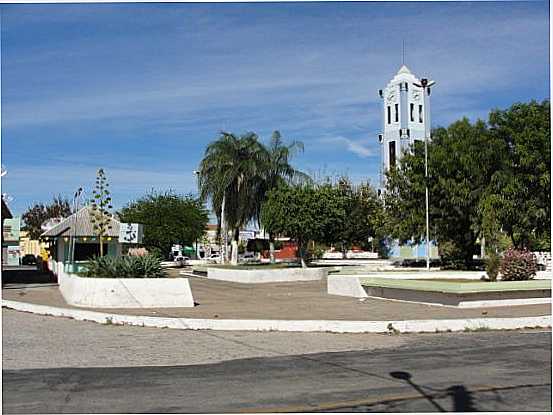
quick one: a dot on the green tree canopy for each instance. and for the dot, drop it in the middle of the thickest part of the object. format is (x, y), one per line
(461, 160)
(39, 213)
(519, 197)
(168, 219)
(364, 215)
(325, 212)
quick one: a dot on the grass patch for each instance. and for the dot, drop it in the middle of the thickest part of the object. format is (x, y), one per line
(457, 287)
(459, 280)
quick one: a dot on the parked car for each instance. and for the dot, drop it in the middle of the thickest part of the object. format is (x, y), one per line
(248, 256)
(28, 259)
(214, 257)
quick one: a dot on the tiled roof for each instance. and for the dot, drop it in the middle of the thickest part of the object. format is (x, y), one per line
(79, 224)
(6, 214)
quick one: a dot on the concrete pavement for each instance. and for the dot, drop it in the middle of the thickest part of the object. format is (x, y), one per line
(463, 371)
(280, 301)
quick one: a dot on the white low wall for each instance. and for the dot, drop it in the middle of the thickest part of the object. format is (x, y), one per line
(267, 275)
(125, 292)
(349, 286)
(350, 255)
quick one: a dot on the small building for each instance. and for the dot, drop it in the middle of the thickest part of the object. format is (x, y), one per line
(11, 229)
(75, 236)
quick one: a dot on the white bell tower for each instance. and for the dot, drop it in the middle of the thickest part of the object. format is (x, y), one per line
(405, 117)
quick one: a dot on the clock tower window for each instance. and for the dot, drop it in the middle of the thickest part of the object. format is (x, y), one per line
(420, 113)
(397, 112)
(389, 114)
(412, 112)
(392, 153)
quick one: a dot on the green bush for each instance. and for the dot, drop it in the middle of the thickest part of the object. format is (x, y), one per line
(148, 266)
(518, 265)
(492, 266)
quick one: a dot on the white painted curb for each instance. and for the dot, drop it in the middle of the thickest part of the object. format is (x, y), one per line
(335, 326)
(254, 276)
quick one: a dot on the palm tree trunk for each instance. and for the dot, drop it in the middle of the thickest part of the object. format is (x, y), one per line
(223, 255)
(234, 252)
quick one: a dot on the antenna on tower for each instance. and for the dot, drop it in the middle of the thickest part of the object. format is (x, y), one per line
(403, 52)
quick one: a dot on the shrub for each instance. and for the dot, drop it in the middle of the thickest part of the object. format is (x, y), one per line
(492, 266)
(147, 266)
(518, 265)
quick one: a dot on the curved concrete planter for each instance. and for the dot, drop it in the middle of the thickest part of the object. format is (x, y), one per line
(350, 286)
(267, 275)
(125, 292)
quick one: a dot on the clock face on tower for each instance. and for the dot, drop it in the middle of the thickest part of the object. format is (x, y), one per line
(416, 95)
(391, 97)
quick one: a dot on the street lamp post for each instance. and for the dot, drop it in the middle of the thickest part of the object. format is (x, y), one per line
(76, 199)
(197, 174)
(425, 84)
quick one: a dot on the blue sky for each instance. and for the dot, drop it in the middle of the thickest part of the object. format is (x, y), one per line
(140, 89)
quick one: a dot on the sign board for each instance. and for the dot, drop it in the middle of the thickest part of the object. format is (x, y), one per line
(14, 253)
(131, 233)
(245, 235)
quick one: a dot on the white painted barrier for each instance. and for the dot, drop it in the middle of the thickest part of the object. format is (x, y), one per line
(349, 286)
(253, 276)
(125, 292)
(336, 326)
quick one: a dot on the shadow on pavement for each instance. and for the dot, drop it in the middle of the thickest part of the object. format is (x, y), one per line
(26, 276)
(463, 400)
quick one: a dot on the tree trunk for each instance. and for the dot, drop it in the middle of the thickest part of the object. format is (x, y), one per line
(234, 251)
(301, 253)
(271, 249)
(101, 246)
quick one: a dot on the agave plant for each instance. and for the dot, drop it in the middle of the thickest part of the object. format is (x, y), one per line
(147, 266)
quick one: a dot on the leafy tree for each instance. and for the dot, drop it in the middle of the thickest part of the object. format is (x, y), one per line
(461, 160)
(168, 219)
(303, 213)
(518, 201)
(100, 214)
(39, 213)
(364, 215)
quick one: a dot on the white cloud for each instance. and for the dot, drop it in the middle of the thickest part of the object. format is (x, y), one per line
(358, 147)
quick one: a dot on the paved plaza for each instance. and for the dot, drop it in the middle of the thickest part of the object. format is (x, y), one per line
(278, 301)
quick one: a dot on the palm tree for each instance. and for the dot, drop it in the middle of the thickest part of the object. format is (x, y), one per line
(236, 173)
(277, 170)
(231, 174)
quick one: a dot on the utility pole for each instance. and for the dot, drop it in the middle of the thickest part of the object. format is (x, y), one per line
(425, 84)
(197, 174)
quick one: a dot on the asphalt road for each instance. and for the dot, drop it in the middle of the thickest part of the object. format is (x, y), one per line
(485, 371)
